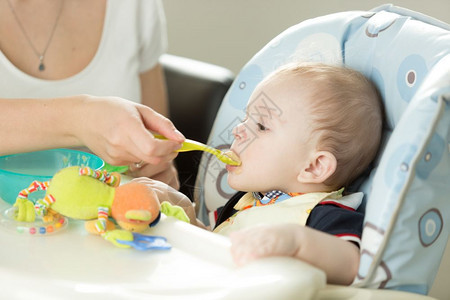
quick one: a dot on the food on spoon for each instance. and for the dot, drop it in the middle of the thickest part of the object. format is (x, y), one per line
(234, 158)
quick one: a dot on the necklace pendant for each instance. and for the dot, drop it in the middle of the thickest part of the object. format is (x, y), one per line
(41, 63)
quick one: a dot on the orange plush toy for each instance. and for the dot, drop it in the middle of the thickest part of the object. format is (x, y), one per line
(82, 193)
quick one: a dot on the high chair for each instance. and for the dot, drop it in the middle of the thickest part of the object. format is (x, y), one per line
(405, 233)
(407, 55)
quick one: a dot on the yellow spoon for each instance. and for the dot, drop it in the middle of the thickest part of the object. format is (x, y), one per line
(190, 145)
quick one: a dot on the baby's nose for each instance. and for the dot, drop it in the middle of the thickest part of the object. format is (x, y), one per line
(239, 132)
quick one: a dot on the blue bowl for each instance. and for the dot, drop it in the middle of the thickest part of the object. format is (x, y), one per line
(18, 171)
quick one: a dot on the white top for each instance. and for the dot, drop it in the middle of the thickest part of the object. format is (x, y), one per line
(133, 38)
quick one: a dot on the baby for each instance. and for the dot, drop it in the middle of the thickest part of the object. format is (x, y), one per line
(309, 131)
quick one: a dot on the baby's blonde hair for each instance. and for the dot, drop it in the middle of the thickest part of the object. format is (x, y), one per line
(346, 111)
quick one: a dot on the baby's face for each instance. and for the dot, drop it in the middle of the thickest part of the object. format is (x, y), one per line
(273, 142)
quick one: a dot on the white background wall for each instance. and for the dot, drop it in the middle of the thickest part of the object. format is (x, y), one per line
(229, 32)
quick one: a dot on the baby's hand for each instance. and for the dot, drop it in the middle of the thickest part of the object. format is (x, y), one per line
(165, 172)
(264, 241)
(165, 192)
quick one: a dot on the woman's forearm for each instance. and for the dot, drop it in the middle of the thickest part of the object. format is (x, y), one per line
(117, 130)
(35, 124)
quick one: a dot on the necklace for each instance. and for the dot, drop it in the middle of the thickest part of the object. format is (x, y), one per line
(40, 55)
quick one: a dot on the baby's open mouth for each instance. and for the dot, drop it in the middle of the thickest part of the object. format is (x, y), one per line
(234, 168)
(234, 158)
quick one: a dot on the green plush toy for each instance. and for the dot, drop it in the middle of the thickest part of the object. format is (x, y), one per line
(85, 194)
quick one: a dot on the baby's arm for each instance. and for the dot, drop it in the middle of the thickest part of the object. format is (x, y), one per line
(338, 258)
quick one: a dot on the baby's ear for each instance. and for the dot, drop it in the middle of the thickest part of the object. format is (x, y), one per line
(321, 167)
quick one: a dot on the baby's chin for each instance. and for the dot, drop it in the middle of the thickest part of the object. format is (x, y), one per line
(238, 184)
(234, 182)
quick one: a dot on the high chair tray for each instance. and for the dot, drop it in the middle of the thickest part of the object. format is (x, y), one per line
(73, 264)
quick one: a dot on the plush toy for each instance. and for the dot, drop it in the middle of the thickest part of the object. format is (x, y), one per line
(82, 193)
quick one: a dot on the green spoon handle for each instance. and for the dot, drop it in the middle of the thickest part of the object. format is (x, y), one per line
(190, 145)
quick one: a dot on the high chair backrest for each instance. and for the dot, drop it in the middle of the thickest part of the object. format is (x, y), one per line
(407, 55)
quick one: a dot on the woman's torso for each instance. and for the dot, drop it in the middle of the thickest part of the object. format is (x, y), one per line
(96, 48)
(77, 35)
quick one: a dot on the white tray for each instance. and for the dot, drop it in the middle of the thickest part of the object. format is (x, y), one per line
(73, 264)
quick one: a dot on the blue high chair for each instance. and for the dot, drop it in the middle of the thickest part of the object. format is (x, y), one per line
(405, 233)
(407, 212)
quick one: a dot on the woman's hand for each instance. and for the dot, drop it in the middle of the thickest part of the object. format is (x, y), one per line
(119, 131)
